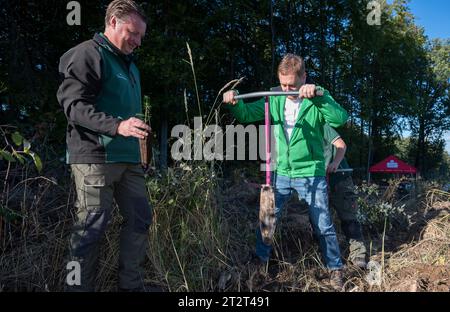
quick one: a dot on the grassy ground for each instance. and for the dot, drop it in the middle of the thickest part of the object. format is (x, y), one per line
(204, 231)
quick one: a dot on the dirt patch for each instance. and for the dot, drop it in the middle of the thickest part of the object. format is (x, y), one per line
(421, 278)
(424, 265)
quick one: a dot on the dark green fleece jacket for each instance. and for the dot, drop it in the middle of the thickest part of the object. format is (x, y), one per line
(99, 87)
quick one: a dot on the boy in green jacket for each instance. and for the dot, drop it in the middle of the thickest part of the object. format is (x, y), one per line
(298, 127)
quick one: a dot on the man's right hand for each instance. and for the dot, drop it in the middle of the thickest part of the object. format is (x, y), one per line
(133, 127)
(228, 97)
(332, 167)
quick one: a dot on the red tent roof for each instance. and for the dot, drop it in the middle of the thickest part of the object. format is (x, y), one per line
(392, 165)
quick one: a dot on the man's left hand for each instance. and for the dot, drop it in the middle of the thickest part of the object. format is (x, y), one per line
(307, 91)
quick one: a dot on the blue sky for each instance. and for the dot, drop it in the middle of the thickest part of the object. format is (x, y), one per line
(433, 15)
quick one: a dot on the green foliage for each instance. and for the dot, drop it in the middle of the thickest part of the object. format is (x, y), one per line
(381, 74)
(147, 109)
(145, 116)
(17, 138)
(37, 161)
(427, 110)
(188, 236)
(9, 215)
(19, 151)
(376, 209)
(2, 87)
(430, 155)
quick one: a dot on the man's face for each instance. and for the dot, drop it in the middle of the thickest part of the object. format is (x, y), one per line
(291, 82)
(127, 34)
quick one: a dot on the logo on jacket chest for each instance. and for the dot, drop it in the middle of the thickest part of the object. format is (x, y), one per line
(121, 76)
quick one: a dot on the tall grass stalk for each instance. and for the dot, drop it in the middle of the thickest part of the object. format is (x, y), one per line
(382, 250)
(179, 263)
(186, 108)
(191, 63)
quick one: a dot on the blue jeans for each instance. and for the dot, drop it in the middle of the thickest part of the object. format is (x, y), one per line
(314, 191)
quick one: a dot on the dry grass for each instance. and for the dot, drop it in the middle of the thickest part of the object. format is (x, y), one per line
(202, 235)
(412, 267)
(34, 233)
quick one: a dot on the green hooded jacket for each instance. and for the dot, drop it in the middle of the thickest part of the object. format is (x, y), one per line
(303, 155)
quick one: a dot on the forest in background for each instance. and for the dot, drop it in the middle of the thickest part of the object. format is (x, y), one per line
(389, 77)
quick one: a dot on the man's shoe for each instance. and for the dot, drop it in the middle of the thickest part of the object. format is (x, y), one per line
(336, 280)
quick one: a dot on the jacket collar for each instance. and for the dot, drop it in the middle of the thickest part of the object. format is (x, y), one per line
(304, 108)
(101, 39)
(304, 105)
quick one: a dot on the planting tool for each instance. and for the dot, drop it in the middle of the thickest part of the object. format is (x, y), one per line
(267, 216)
(270, 93)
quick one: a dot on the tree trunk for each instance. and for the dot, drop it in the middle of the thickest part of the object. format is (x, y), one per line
(420, 146)
(272, 32)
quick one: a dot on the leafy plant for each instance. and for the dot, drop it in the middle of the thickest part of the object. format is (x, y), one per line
(18, 149)
(145, 117)
(378, 211)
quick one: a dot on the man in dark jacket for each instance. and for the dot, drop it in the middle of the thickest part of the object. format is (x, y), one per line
(342, 194)
(101, 95)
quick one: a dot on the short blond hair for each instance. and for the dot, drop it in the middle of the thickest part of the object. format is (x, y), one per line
(292, 64)
(123, 8)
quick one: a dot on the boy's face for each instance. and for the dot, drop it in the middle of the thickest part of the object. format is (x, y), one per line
(291, 82)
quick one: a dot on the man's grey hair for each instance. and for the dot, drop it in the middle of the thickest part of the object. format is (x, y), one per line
(123, 8)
